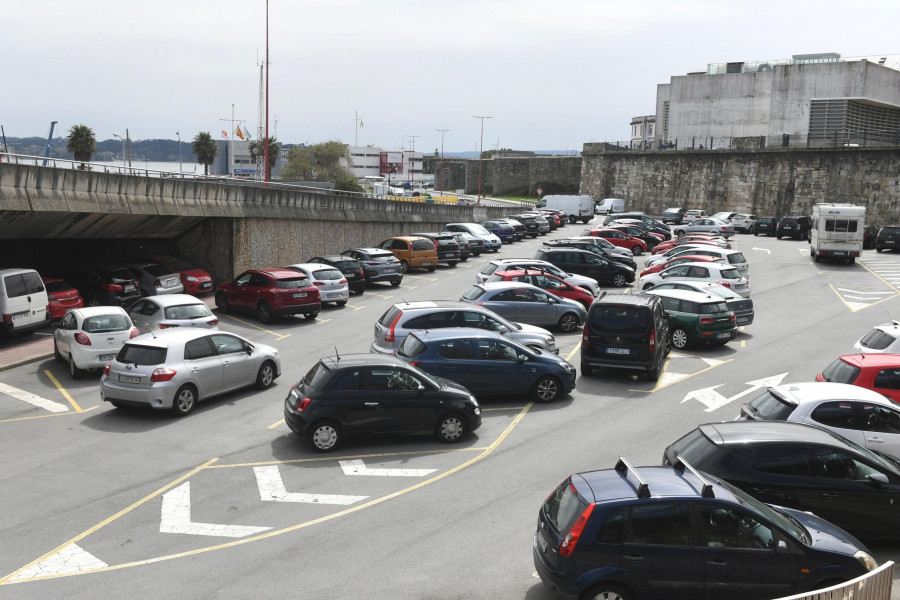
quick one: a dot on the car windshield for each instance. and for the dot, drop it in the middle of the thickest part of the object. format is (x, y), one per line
(411, 346)
(142, 355)
(730, 274)
(105, 323)
(474, 293)
(562, 507)
(840, 372)
(423, 245)
(782, 520)
(736, 258)
(877, 340)
(327, 274)
(188, 311)
(120, 275)
(478, 229)
(57, 286)
(156, 270)
(713, 307)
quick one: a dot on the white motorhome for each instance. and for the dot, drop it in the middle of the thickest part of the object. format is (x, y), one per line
(577, 208)
(836, 231)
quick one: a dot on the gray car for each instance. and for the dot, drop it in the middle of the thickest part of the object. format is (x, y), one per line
(708, 225)
(176, 368)
(491, 242)
(507, 264)
(397, 321)
(528, 304)
(379, 265)
(175, 310)
(154, 279)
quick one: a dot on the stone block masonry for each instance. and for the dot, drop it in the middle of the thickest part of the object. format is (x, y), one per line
(774, 182)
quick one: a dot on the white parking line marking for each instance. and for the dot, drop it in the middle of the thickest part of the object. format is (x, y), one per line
(54, 407)
(175, 517)
(271, 489)
(358, 467)
(71, 559)
(880, 293)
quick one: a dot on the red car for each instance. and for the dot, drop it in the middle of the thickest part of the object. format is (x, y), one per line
(553, 218)
(271, 294)
(62, 296)
(619, 238)
(668, 245)
(681, 259)
(196, 281)
(547, 282)
(877, 372)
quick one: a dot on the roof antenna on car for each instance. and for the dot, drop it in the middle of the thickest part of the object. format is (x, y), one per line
(337, 354)
(892, 319)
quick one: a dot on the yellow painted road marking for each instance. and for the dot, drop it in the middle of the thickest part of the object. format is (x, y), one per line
(278, 336)
(852, 308)
(276, 424)
(63, 391)
(573, 352)
(686, 377)
(484, 453)
(320, 321)
(355, 307)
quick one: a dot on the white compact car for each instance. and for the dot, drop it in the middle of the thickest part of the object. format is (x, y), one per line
(332, 284)
(175, 310)
(883, 339)
(88, 338)
(726, 275)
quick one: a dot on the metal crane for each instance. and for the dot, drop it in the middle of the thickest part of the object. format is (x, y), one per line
(49, 139)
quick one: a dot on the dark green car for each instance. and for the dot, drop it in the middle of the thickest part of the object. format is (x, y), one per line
(696, 318)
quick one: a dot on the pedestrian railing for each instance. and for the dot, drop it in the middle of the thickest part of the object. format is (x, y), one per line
(875, 585)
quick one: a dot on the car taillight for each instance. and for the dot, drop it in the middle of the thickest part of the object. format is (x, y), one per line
(707, 320)
(733, 317)
(134, 333)
(303, 404)
(725, 283)
(106, 368)
(167, 325)
(82, 339)
(435, 243)
(7, 318)
(112, 287)
(163, 374)
(342, 281)
(362, 272)
(389, 334)
(212, 322)
(157, 283)
(585, 334)
(567, 547)
(318, 283)
(652, 339)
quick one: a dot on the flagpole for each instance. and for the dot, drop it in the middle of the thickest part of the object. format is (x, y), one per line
(267, 92)
(231, 141)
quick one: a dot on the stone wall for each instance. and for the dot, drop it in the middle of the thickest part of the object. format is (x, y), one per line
(771, 182)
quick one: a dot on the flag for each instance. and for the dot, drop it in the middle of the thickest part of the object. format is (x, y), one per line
(238, 132)
(224, 133)
(246, 133)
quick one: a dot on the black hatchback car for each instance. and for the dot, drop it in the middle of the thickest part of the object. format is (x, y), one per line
(591, 246)
(446, 245)
(349, 268)
(794, 227)
(888, 238)
(583, 262)
(802, 467)
(374, 394)
(673, 215)
(765, 226)
(103, 285)
(675, 533)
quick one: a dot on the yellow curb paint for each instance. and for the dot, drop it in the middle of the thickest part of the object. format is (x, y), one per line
(62, 391)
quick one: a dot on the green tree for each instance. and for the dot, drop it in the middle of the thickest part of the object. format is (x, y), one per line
(319, 162)
(82, 143)
(258, 148)
(205, 149)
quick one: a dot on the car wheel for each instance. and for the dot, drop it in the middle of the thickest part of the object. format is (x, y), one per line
(607, 591)
(586, 369)
(546, 389)
(266, 375)
(325, 436)
(264, 312)
(572, 220)
(648, 286)
(341, 302)
(452, 263)
(395, 283)
(464, 259)
(450, 428)
(817, 258)
(498, 249)
(185, 400)
(754, 233)
(679, 232)
(222, 302)
(679, 338)
(636, 250)
(404, 266)
(56, 354)
(431, 269)
(777, 236)
(877, 249)
(619, 280)
(74, 371)
(750, 230)
(653, 374)
(568, 322)
(311, 315)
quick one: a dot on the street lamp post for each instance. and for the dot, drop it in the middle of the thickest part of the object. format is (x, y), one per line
(480, 151)
(116, 135)
(442, 158)
(180, 170)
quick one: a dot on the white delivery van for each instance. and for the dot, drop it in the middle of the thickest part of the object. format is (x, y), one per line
(837, 231)
(609, 206)
(23, 301)
(577, 208)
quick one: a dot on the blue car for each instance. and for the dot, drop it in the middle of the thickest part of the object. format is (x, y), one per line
(487, 363)
(504, 231)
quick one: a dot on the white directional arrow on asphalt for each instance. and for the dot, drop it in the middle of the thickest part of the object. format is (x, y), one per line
(766, 250)
(271, 489)
(713, 399)
(176, 517)
(358, 467)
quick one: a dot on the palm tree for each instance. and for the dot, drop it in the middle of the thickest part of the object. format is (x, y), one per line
(205, 149)
(258, 148)
(82, 143)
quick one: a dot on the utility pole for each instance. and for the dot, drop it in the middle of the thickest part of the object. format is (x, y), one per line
(480, 150)
(412, 156)
(443, 131)
(180, 170)
(357, 123)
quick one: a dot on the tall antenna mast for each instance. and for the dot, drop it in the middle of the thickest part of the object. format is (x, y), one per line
(260, 128)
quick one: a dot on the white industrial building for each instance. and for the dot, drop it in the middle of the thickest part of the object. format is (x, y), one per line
(372, 161)
(810, 98)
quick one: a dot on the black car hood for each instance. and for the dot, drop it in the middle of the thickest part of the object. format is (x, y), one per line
(826, 535)
(452, 386)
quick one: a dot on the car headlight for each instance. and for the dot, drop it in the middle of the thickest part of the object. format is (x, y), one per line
(566, 366)
(866, 559)
(191, 278)
(473, 400)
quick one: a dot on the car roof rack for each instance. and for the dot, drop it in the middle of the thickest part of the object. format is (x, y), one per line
(643, 490)
(707, 490)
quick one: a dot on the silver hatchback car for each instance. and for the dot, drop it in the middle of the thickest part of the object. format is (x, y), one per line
(332, 284)
(396, 323)
(175, 310)
(176, 368)
(527, 303)
(154, 279)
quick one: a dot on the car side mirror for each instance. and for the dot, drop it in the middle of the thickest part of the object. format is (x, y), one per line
(781, 547)
(503, 330)
(421, 389)
(521, 358)
(663, 275)
(249, 350)
(880, 479)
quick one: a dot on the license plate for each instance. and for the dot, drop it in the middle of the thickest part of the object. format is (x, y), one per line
(841, 253)
(426, 264)
(743, 320)
(618, 351)
(206, 286)
(129, 379)
(337, 295)
(787, 227)
(20, 315)
(170, 282)
(299, 294)
(107, 356)
(889, 241)
(723, 336)
(128, 288)
(542, 542)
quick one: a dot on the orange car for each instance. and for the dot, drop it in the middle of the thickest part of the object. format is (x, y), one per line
(413, 252)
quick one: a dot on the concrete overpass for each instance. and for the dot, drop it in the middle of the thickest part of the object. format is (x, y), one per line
(50, 216)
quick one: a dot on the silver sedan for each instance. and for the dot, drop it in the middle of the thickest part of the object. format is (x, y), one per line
(527, 303)
(709, 225)
(176, 368)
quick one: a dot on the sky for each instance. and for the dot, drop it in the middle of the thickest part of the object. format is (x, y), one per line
(551, 75)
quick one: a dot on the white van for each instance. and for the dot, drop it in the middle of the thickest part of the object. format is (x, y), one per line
(607, 206)
(23, 302)
(577, 208)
